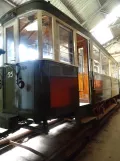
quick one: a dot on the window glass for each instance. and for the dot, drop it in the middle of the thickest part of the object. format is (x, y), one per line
(114, 69)
(105, 64)
(81, 60)
(47, 37)
(66, 44)
(96, 59)
(10, 44)
(28, 45)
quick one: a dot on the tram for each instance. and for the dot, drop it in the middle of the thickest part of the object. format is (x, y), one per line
(52, 68)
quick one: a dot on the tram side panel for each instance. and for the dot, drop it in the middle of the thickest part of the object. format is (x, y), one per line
(25, 96)
(102, 88)
(56, 90)
(8, 108)
(64, 89)
(9, 90)
(107, 88)
(51, 90)
(115, 87)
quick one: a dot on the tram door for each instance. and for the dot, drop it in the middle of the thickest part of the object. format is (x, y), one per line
(82, 56)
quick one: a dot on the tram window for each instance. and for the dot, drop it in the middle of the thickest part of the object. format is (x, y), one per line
(28, 45)
(66, 45)
(105, 64)
(10, 44)
(47, 37)
(114, 69)
(96, 59)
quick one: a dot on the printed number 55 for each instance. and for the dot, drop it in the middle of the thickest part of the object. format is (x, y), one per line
(10, 74)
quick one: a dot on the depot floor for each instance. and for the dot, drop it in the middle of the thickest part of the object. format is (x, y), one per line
(105, 146)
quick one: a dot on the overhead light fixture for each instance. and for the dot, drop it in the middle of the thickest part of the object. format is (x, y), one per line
(113, 16)
(103, 34)
(32, 27)
(102, 30)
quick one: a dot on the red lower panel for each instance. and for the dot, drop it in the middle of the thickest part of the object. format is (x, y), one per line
(63, 92)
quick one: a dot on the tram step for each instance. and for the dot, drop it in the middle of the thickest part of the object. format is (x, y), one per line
(87, 119)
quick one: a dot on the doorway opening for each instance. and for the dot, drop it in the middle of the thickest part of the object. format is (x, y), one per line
(83, 78)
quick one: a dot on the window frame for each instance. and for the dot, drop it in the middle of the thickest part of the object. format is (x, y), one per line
(108, 63)
(75, 61)
(7, 25)
(116, 64)
(100, 63)
(53, 30)
(54, 35)
(88, 42)
(40, 47)
(38, 13)
(67, 29)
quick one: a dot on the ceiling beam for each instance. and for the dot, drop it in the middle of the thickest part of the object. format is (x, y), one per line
(11, 3)
(111, 42)
(104, 12)
(99, 3)
(116, 54)
(95, 13)
(72, 10)
(115, 25)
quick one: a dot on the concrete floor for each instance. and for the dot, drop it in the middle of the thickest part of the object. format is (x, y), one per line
(45, 144)
(105, 146)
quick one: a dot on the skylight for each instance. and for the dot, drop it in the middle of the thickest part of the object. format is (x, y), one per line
(102, 30)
